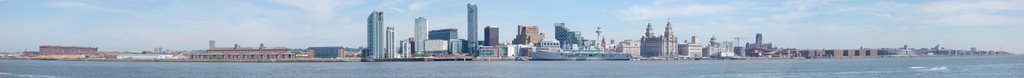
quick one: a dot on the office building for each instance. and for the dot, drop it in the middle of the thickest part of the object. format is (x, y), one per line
(456, 46)
(629, 46)
(568, 38)
(375, 40)
(658, 46)
(435, 47)
(420, 33)
(443, 34)
(390, 43)
(491, 34)
(471, 29)
(528, 35)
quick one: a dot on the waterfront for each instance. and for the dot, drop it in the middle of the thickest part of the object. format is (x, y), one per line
(911, 67)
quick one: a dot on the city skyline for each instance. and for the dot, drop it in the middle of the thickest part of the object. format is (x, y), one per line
(117, 26)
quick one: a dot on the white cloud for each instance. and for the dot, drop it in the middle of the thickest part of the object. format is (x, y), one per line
(792, 15)
(86, 6)
(640, 12)
(979, 5)
(321, 9)
(803, 5)
(981, 19)
(417, 6)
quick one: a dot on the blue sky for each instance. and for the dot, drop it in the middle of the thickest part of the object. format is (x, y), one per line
(135, 25)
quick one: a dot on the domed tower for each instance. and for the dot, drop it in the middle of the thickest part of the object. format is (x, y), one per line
(650, 30)
(668, 29)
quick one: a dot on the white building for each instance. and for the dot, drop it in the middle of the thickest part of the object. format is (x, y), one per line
(629, 46)
(435, 47)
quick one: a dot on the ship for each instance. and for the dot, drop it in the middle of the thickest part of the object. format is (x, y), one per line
(578, 56)
(550, 51)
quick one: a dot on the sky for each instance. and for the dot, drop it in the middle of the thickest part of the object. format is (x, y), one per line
(138, 25)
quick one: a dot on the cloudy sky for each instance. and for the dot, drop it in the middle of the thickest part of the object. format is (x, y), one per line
(134, 25)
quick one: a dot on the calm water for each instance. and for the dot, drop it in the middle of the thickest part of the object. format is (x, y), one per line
(917, 67)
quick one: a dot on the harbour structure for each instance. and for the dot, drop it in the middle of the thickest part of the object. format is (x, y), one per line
(238, 52)
(658, 46)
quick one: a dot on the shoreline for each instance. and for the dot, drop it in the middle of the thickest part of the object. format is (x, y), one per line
(432, 59)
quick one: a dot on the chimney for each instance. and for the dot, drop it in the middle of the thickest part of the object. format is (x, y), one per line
(236, 46)
(213, 44)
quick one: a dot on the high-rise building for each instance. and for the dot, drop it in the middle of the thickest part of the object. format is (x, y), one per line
(528, 35)
(374, 36)
(443, 34)
(420, 32)
(491, 32)
(391, 51)
(659, 46)
(567, 38)
(471, 27)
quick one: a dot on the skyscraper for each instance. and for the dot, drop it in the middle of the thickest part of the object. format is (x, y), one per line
(491, 32)
(420, 33)
(374, 36)
(471, 29)
(391, 51)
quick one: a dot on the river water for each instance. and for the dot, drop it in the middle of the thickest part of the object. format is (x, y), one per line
(913, 67)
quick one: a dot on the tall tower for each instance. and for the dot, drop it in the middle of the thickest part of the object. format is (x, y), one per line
(391, 51)
(374, 36)
(420, 34)
(471, 29)
(757, 39)
(491, 35)
(600, 40)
